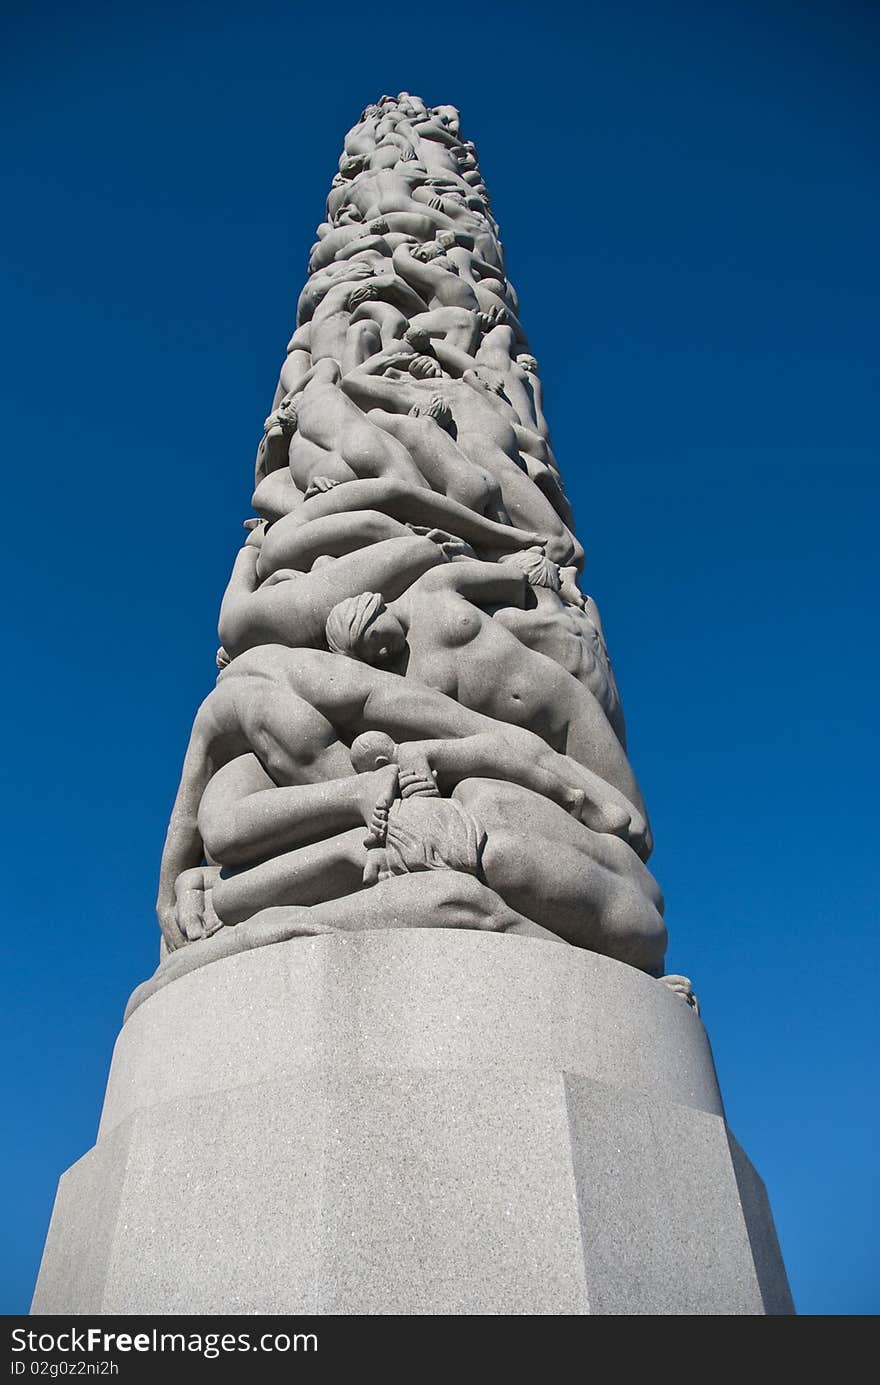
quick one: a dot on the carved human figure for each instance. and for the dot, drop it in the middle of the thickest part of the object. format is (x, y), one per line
(560, 628)
(317, 286)
(425, 432)
(462, 341)
(351, 236)
(446, 275)
(334, 439)
(482, 433)
(278, 431)
(439, 637)
(380, 298)
(291, 606)
(298, 710)
(590, 888)
(404, 188)
(356, 513)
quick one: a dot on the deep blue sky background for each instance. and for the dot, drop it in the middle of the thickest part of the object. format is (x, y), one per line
(688, 196)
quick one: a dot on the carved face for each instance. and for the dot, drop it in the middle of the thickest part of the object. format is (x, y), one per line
(350, 165)
(430, 250)
(283, 421)
(383, 639)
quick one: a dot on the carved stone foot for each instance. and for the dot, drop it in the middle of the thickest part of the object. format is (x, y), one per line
(683, 987)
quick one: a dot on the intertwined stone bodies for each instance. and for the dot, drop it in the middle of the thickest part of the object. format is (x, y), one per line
(416, 723)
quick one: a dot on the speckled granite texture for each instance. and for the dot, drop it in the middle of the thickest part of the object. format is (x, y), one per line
(413, 1122)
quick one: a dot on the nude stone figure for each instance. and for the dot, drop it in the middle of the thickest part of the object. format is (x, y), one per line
(296, 712)
(481, 432)
(462, 341)
(347, 273)
(555, 625)
(590, 888)
(383, 299)
(291, 606)
(351, 515)
(352, 237)
(447, 275)
(278, 431)
(437, 635)
(298, 546)
(334, 439)
(379, 192)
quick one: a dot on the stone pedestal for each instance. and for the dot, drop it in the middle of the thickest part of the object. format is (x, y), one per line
(413, 1122)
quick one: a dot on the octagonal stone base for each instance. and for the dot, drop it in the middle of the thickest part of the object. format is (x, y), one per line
(413, 1122)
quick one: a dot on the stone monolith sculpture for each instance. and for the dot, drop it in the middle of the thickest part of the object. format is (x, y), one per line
(410, 1047)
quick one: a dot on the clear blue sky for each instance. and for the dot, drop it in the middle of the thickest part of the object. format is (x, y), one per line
(688, 195)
